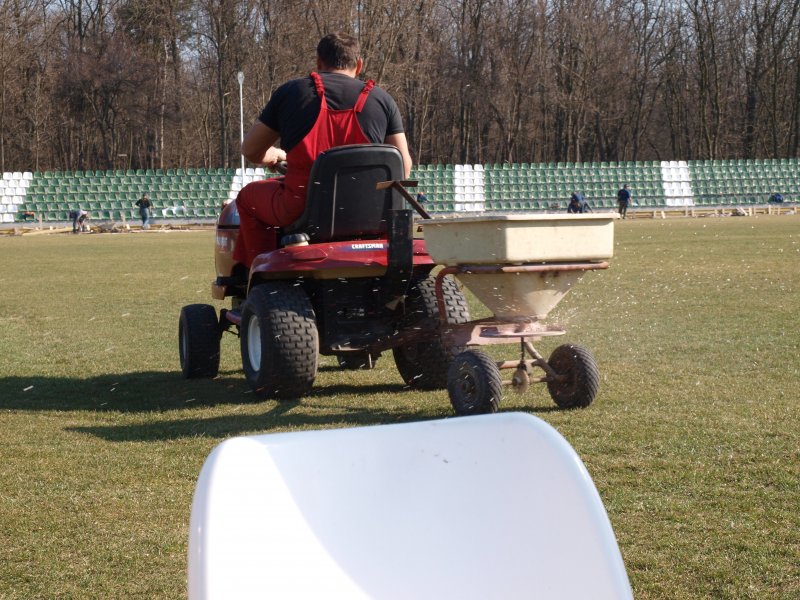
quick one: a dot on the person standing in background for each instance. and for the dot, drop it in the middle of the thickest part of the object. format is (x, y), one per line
(144, 205)
(624, 199)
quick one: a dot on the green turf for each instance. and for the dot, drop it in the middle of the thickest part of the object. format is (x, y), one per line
(693, 441)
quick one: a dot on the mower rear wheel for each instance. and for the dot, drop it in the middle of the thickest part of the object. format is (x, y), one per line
(279, 342)
(198, 341)
(423, 365)
(474, 384)
(579, 378)
(357, 361)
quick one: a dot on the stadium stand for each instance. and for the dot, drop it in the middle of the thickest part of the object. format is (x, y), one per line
(198, 194)
(13, 191)
(548, 186)
(111, 195)
(469, 183)
(437, 182)
(734, 182)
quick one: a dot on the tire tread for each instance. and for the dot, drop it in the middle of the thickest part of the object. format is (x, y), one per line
(429, 370)
(586, 382)
(286, 314)
(200, 325)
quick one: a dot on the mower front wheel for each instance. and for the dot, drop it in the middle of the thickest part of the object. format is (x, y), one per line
(279, 341)
(198, 341)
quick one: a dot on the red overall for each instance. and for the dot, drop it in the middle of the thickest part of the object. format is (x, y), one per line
(266, 205)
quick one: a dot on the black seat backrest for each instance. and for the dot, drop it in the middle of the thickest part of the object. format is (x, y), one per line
(342, 202)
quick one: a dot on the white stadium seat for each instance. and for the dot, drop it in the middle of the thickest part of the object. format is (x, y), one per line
(493, 506)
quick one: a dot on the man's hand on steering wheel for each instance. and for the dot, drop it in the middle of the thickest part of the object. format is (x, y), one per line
(273, 156)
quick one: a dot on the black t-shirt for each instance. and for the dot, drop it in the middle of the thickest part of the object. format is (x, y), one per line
(293, 108)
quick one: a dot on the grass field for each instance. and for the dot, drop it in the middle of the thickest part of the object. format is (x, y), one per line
(693, 441)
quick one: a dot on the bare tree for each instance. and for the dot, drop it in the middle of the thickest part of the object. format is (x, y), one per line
(222, 40)
(768, 25)
(88, 83)
(515, 39)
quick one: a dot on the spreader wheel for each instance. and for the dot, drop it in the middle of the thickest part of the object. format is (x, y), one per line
(578, 377)
(474, 384)
(198, 341)
(279, 344)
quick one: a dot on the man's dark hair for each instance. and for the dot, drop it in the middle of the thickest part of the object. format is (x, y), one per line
(338, 51)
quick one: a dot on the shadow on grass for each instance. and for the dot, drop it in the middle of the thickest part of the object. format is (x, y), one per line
(121, 392)
(279, 417)
(151, 393)
(146, 392)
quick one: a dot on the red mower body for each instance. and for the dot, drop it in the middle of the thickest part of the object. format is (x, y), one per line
(333, 260)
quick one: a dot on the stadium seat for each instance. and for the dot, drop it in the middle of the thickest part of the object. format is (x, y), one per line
(493, 506)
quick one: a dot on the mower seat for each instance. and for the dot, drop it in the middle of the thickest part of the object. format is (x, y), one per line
(342, 202)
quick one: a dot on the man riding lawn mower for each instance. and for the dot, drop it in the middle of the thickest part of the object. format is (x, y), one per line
(348, 280)
(321, 261)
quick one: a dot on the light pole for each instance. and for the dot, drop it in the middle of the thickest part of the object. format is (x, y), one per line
(240, 78)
